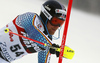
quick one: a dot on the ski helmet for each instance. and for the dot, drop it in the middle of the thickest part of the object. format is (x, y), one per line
(51, 9)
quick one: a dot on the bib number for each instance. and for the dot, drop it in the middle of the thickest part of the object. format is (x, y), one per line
(16, 48)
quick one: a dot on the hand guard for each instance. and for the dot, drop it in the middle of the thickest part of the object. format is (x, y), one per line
(53, 51)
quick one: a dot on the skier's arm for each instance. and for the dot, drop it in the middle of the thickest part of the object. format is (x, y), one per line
(27, 21)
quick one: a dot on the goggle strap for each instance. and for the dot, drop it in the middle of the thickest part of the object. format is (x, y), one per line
(45, 12)
(55, 38)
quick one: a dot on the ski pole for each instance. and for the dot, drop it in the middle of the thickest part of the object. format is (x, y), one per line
(7, 30)
(68, 52)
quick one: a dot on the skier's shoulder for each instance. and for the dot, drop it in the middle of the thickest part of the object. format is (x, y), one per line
(28, 14)
(27, 17)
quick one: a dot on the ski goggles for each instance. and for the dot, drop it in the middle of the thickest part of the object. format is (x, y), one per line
(56, 21)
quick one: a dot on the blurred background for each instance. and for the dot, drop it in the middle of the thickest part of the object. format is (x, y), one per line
(91, 6)
(83, 32)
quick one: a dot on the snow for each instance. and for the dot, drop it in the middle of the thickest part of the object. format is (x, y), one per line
(83, 33)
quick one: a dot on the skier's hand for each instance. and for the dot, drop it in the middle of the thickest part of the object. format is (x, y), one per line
(53, 51)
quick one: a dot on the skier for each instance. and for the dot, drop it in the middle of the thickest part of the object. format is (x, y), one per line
(38, 27)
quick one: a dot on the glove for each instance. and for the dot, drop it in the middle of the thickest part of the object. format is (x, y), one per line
(53, 51)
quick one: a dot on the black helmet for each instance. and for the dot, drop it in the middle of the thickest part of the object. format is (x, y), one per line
(50, 9)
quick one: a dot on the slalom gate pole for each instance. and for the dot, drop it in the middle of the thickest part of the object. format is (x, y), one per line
(65, 31)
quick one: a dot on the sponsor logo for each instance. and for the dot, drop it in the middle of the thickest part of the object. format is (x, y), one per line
(29, 43)
(39, 26)
(46, 14)
(36, 48)
(47, 7)
(5, 52)
(11, 35)
(70, 51)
